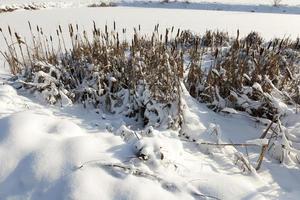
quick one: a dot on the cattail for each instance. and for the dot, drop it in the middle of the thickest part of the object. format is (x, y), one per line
(95, 28)
(118, 41)
(9, 31)
(166, 37)
(60, 29)
(12, 41)
(280, 45)
(71, 30)
(29, 24)
(52, 48)
(20, 41)
(178, 31)
(270, 44)
(106, 33)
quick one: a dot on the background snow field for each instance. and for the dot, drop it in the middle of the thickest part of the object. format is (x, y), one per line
(67, 152)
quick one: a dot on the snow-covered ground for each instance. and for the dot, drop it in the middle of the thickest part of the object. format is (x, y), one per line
(52, 152)
(66, 153)
(261, 6)
(127, 17)
(245, 2)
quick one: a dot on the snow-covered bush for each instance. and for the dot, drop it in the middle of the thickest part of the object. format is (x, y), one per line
(140, 80)
(251, 75)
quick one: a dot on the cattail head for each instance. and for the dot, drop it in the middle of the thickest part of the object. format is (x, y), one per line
(178, 31)
(9, 30)
(71, 30)
(95, 28)
(29, 24)
(19, 40)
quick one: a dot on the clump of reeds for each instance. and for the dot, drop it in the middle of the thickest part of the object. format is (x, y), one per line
(250, 75)
(140, 78)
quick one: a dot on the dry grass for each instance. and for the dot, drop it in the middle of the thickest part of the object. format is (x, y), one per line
(134, 77)
(249, 75)
(140, 78)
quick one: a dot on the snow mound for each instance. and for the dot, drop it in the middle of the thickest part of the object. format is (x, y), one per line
(41, 155)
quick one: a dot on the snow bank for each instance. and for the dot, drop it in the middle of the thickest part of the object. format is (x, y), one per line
(39, 154)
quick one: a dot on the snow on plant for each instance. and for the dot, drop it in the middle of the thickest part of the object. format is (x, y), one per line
(211, 136)
(281, 147)
(152, 147)
(251, 75)
(142, 79)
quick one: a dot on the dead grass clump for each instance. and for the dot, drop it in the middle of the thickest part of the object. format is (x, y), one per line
(251, 75)
(140, 79)
(215, 38)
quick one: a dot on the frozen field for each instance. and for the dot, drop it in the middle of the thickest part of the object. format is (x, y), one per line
(269, 25)
(68, 152)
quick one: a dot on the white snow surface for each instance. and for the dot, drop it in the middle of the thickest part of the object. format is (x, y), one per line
(242, 2)
(51, 152)
(48, 152)
(128, 17)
